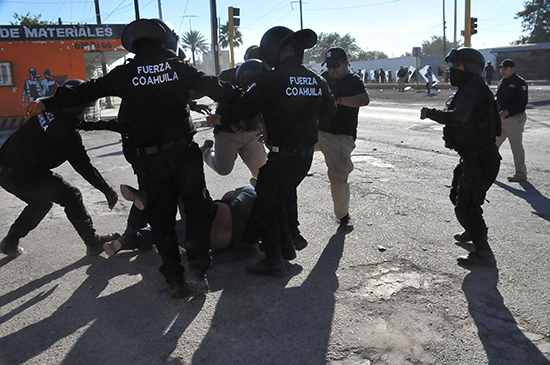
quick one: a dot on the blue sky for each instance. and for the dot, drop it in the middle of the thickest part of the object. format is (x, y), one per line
(390, 26)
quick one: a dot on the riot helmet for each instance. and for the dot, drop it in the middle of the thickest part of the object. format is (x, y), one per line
(252, 52)
(141, 30)
(75, 111)
(277, 38)
(171, 38)
(248, 71)
(471, 58)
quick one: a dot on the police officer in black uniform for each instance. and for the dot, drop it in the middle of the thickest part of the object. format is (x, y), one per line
(154, 88)
(292, 98)
(471, 124)
(44, 142)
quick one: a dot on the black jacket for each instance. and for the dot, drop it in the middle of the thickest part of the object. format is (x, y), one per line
(154, 87)
(291, 98)
(512, 95)
(471, 117)
(46, 141)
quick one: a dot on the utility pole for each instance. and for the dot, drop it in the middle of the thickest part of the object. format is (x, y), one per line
(190, 16)
(160, 10)
(301, 18)
(444, 37)
(467, 31)
(214, 36)
(454, 40)
(103, 65)
(136, 6)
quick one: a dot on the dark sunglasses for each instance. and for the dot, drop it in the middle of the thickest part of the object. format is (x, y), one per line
(334, 67)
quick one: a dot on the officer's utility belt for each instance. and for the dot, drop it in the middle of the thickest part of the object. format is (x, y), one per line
(291, 151)
(163, 147)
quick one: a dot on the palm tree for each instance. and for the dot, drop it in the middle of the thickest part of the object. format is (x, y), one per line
(196, 42)
(224, 37)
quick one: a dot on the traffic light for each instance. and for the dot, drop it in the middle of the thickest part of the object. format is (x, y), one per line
(473, 25)
(234, 21)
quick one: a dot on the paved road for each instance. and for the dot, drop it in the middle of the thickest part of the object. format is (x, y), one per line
(389, 292)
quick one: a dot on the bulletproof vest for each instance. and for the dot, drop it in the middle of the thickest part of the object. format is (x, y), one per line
(483, 125)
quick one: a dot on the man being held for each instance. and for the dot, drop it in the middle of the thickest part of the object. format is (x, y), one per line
(512, 99)
(337, 136)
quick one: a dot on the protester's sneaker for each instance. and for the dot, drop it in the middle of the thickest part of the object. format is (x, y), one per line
(207, 145)
(299, 242)
(178, 291)
(94, 247)
(262, 268)
(138, 197)
(113, 247)
(517, 177)
(463, 237)
(478, 259)
(197, 282)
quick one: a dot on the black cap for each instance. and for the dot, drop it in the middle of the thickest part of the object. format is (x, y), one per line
(507, 63)
(334, 55)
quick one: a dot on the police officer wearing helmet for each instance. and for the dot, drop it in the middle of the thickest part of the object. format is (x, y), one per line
(291, 98)
(154, 115)
(44, 142)
(471, 124)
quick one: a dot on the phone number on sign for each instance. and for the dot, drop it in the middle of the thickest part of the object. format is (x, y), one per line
(95, 45)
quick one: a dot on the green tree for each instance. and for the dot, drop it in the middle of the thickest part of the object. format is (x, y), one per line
(536, 21)
(194, 41)
(224, 37)
(347, 42)
(28, 19)
(434, 46)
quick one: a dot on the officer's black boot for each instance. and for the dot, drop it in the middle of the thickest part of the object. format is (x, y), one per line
(94, 242)
(287, 248)
(272, 265)
(463, 237)
(483, 255)
(10, 244)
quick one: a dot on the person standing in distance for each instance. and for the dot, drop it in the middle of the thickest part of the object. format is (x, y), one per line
(154, 114)
(337, 136)
(489, 72)
(512, 98)
(471, 125)
(291, 98)
(45, 142)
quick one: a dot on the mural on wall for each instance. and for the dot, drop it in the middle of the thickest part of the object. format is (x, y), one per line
(35, 87)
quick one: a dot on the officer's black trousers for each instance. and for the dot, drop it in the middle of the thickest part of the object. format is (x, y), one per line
(39, 188)
(472, 178)
(276, 197)
(167, 174)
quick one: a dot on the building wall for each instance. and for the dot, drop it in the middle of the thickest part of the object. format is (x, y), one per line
(45, 50)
